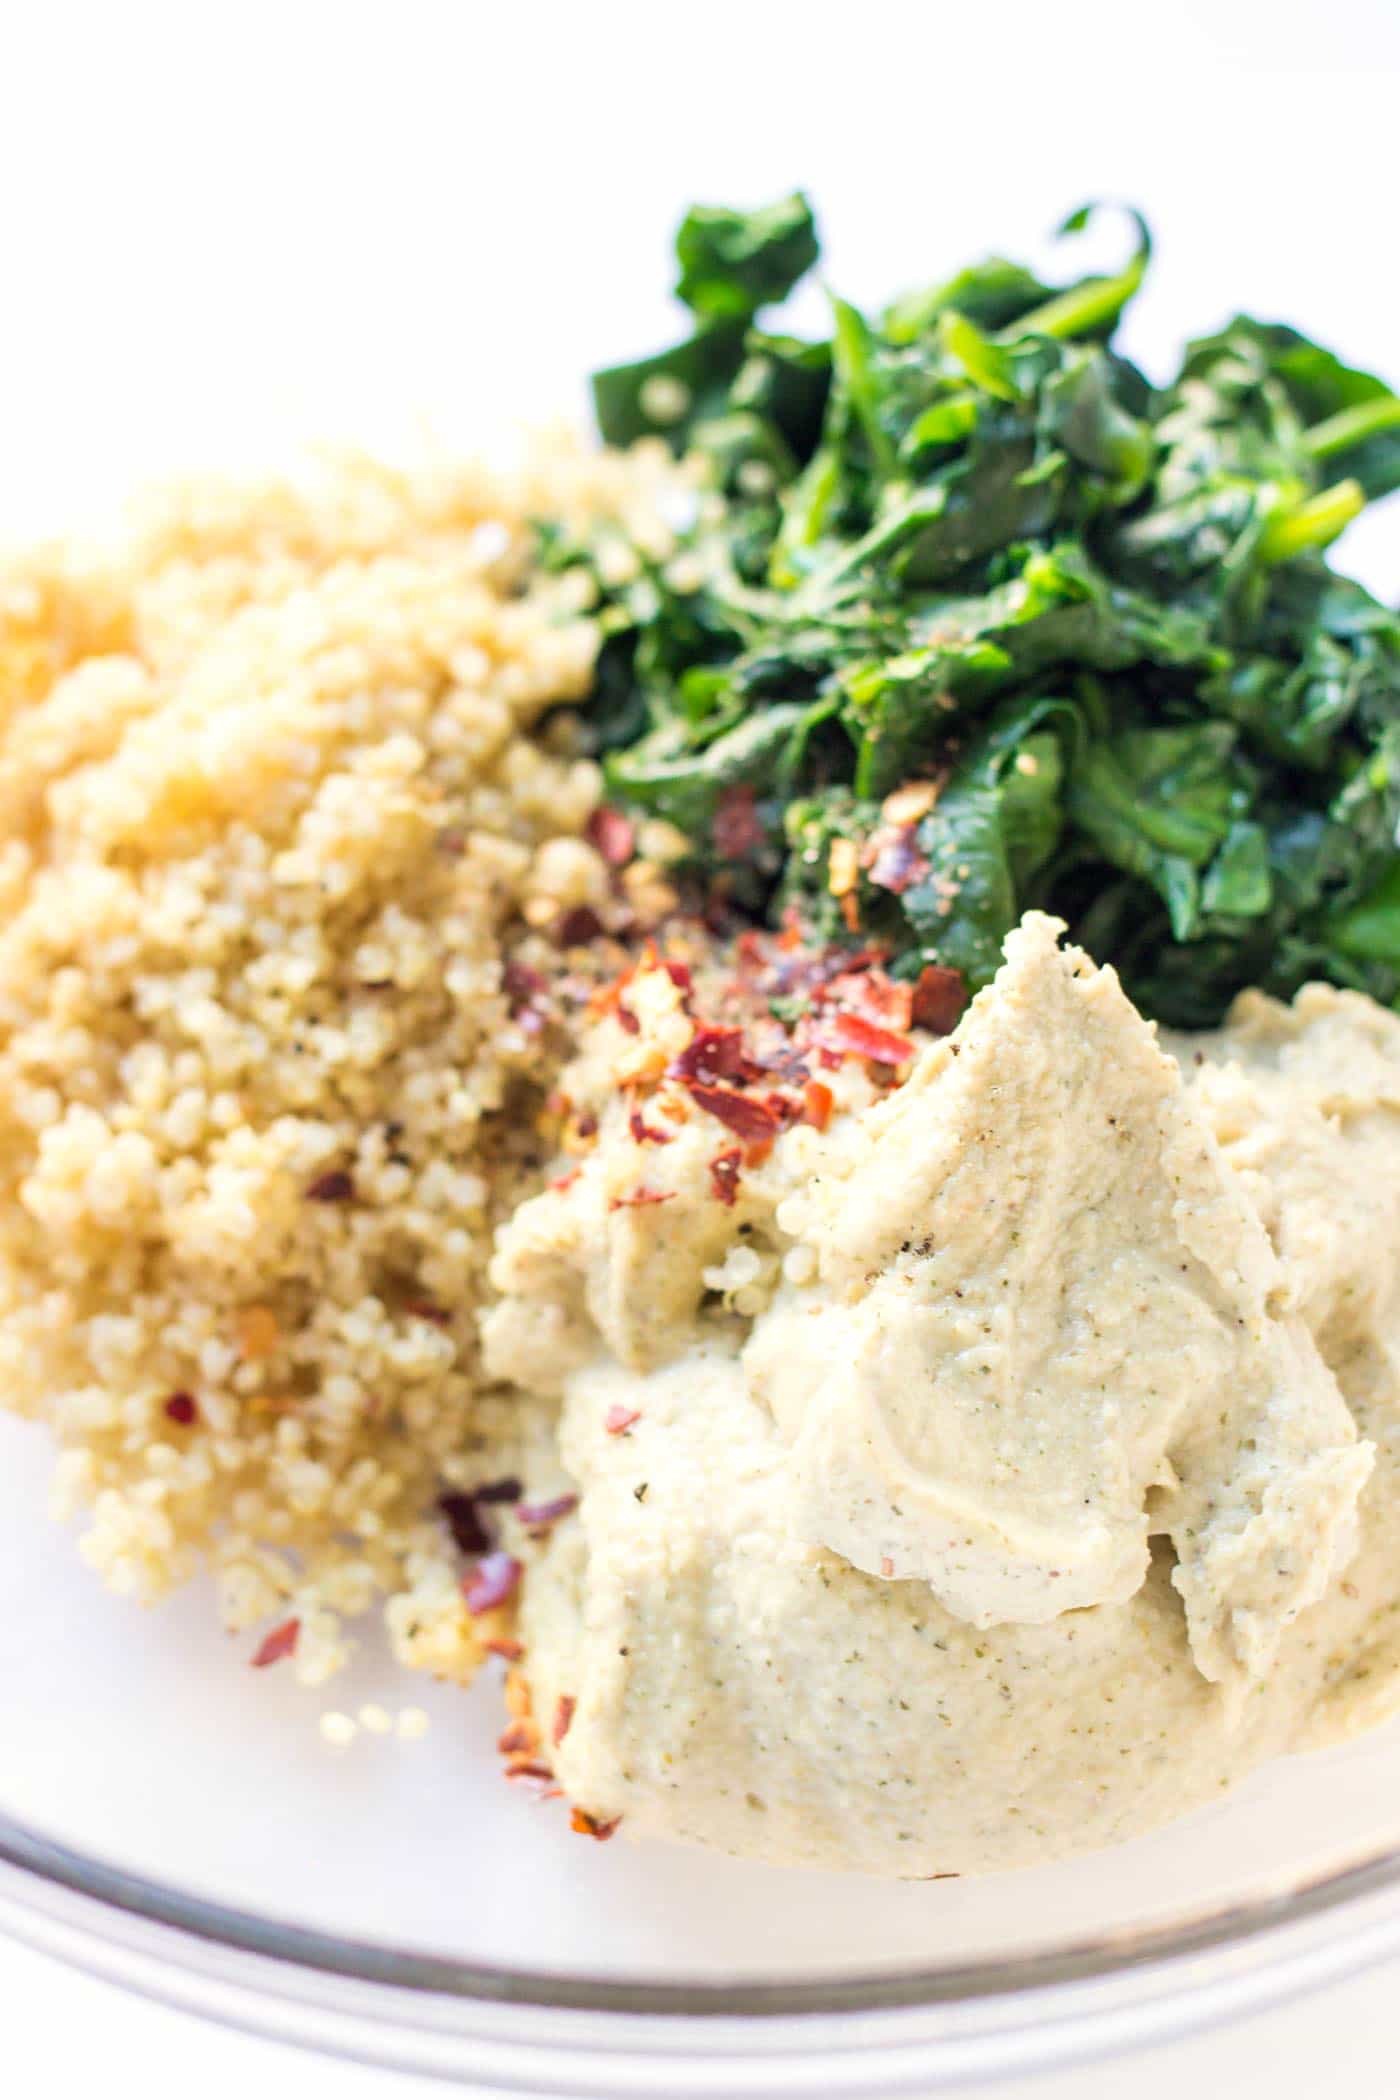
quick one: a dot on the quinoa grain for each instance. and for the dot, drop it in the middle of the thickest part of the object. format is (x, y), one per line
(272, 808)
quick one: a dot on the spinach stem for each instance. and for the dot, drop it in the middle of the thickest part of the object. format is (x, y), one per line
(1352, 426)
(1315, 523)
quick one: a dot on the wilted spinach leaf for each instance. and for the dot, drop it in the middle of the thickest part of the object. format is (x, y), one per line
(965, 543)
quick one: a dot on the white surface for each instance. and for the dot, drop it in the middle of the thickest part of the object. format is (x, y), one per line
(229, 230)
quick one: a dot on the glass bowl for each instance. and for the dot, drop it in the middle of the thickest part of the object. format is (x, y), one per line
(178, 1826)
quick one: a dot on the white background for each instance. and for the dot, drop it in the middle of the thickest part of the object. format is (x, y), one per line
(227, 230)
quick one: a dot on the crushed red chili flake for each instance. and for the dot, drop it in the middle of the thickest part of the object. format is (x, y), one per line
(619, 1419)
(817, 1098)
(425, 1309)
(282, 1641)
(627, 1019)
(784, 1107)
(465, 1522)
(738, 830)
(182, 1408)
(518, 1736)
(897, 863)
(940, 997)
(679, 974)
(577, 927)
(724, 1176)
(492, 1582)
(645, 1133)
(563, 1715)
(335, 1187)
(565, 1181)
(521, 984)
(531, 1769)
(539, 1516)
(711, 1055)
(586, 1125)
(610, 834)
(749, 1119)
(506, 1489)
(600, 1827)
(857, 1037)
(501, 1644)
(640, 1198)
(878, 997)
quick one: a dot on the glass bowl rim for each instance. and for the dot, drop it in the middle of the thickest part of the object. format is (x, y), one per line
(123, 1894)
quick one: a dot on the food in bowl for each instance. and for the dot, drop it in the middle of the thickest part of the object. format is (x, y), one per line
(581, 1063)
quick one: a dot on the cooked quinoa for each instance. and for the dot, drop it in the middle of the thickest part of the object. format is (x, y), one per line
(275, 820)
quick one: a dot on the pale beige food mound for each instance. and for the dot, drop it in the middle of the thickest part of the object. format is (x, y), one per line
(270, 813)
(1134, 1325)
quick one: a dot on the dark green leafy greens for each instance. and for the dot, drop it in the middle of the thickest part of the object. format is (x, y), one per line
(973, 619)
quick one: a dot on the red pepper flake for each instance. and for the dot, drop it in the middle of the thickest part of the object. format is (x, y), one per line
(280, 1642)
(563, 1714)
(738, 831)
(939, 999)
(640, 1198)
(644, 1133)
(751, 1120)
(565, 1181)
(898, 864)
(520, 1735)
(521, 985)
(679, 974)
(495, 1579)
(627, 1019)
(781, 1061)
(784, 1108)
(857, 1037)
(335, 1187)
(425, 1309)
(610, 834)
(501, 1644)
(531, 1769)
(711, 1055)
(540, 1516)
(506, 1489)
(724, 1176)
(886, 1566)
(578, 927)
(465, 1522)
(817, 1098)
(182, 1408)
(600, 1827)
(876, 996)
(586, 1125)
(619, 1419)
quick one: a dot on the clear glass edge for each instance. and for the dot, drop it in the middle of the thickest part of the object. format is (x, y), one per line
(120, 1891)
(496, 2031)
